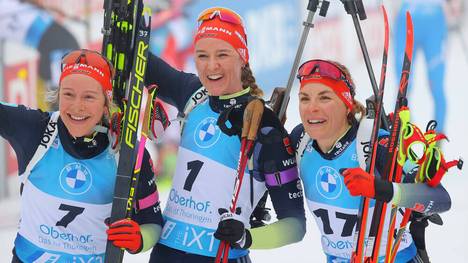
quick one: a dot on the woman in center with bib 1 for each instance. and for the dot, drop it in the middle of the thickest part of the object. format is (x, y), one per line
(205, 173)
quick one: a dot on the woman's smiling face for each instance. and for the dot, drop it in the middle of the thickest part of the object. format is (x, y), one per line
(82, 104)
(219, 66)
(323, 113)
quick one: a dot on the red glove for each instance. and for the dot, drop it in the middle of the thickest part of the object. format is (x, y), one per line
(359, 182)
(126, 234)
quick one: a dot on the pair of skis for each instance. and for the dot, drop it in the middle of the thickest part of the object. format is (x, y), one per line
(360, 231)
(125, 43)
(392, 169)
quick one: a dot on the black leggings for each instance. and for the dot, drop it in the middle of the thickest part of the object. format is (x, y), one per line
(165, 254)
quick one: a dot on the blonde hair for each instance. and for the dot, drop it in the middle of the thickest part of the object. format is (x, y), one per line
(248, 80)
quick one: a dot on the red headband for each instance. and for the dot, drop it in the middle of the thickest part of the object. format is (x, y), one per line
(338, 86)
(234, 34)
(101, 75)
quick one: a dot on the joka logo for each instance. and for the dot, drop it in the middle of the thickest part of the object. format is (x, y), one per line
(207, 133)
(75, 179)
(328, 182)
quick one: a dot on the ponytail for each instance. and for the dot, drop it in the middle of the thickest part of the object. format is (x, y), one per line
(248, 80)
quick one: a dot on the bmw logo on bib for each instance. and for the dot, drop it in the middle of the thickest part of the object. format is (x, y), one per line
(207, 133)
(329, 183)
(75, 179)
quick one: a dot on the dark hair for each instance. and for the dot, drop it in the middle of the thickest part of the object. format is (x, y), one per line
(248, 80)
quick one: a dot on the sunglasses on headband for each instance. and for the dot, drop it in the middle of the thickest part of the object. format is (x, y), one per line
(321, 68)
(88, 57)
(224, 14)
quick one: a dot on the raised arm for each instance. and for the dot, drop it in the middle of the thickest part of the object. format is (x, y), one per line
(175, 87)
(23, 128)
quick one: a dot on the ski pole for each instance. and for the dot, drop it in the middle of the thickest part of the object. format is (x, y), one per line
(355, 8)
(359, 234)
(280, 97)
(106, 28)
(312, 7)
(251, 121)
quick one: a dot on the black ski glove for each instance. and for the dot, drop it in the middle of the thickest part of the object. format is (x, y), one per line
(232, 230)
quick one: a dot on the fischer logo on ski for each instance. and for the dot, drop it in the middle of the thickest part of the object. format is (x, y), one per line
(126, 40)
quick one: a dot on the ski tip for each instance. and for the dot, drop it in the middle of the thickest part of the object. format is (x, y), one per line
(409, 35)
(409, 22)
(384, 10)
(147, 16)
(386, 25)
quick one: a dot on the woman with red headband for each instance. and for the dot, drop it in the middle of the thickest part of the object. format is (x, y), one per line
(68, 169)
(327, 157)
(207, 160)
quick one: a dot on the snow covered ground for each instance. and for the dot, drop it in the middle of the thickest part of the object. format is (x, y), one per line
(445, 244)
